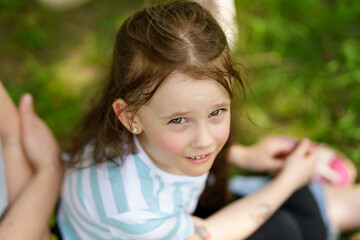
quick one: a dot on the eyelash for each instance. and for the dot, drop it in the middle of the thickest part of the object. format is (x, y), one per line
(218, 112)
(181, 120)
(175, 120)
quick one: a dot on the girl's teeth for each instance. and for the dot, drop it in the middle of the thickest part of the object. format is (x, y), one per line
(198, 157)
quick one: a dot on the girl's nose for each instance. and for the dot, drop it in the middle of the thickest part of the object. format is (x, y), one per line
(202, 138)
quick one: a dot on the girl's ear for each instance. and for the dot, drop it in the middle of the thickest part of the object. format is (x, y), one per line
(126, 116)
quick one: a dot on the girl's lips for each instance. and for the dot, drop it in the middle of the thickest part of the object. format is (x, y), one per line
(199, 158)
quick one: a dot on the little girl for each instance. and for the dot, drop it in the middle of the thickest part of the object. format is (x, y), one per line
(143, 158)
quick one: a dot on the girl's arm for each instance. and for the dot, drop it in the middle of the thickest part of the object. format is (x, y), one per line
(243, 217)
(18, 170)
(28, 216)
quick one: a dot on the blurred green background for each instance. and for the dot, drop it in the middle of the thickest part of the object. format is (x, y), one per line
(302, 60)
(302, 57)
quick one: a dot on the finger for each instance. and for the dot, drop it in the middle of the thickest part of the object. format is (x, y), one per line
(282, 146)
(302, 148)
(312, 152)
(26, 110)
(30, 121)
(26, 104)
(328, 173)
(281, 151)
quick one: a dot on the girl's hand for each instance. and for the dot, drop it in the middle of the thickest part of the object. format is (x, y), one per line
(39, 144)
(267, 155)
(300, 165)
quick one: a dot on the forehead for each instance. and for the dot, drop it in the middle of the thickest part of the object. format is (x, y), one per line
(183, 91)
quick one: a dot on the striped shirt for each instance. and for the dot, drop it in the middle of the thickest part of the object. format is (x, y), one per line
(134, 201)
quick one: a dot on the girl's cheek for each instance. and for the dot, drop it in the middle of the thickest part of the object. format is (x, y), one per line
(223, 135)
(171, 146)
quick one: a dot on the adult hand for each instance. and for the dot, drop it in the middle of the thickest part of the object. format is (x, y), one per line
(267, 155)
(39, 144)
(32, 207)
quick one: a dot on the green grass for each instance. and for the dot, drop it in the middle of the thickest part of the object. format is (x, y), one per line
(303, 58)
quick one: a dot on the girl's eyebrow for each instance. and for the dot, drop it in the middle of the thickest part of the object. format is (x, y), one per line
(222, 104)
(178, 114)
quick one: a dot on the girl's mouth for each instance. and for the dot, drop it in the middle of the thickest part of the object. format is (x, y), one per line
(199, 158)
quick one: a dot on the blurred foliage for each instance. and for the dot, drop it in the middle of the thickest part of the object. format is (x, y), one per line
(60, 57)
(302, 57)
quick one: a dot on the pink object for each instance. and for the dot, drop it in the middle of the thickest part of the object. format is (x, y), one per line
(340, 168)
(333, 168)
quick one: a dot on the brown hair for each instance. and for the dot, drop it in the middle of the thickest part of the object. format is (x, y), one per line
(150, 45)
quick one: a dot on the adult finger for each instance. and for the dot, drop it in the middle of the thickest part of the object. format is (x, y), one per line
(26, 110)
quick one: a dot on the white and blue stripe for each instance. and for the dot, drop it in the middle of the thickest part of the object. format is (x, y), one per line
(134, 201)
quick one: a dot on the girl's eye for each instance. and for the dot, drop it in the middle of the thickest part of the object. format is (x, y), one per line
(216, 112)
(178, 120)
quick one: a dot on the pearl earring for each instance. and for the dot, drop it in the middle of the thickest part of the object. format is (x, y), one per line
(134, 130)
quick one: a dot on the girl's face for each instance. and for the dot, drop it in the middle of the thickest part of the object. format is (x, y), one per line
(185, 124)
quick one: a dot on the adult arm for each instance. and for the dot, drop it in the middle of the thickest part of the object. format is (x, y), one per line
(18, 170)
(28, 215)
